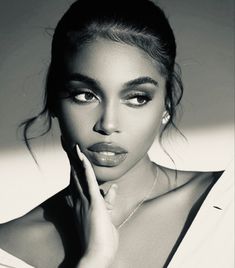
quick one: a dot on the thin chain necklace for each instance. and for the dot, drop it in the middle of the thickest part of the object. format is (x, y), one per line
(139, 204)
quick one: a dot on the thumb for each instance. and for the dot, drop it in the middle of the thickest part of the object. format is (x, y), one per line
(110, 197)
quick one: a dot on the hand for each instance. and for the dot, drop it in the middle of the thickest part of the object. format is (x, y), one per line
(93, 213)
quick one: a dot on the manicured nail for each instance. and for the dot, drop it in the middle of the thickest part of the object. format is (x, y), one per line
(114, 186)
(80, 154)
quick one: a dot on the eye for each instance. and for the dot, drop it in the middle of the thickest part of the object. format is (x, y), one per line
(84, 97)
(137, 100)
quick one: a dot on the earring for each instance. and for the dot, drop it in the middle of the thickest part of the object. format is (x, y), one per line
(165, 118)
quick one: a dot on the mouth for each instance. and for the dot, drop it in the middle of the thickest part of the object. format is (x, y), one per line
(107, 154)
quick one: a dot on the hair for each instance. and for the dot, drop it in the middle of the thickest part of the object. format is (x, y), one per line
(138, 23)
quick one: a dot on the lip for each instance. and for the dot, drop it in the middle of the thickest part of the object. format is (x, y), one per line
(107, 154)
(107, 147)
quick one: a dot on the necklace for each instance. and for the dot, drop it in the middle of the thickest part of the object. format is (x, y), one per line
(139, 204)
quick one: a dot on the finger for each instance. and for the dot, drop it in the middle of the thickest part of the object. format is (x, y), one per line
(70, 153)
(78, 181)
(80, 154)
(110, 197)
(80, 202)
(76, 184)
(90, 175)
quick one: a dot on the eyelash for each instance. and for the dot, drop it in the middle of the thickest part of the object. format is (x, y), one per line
(144, 97)
(74, 95)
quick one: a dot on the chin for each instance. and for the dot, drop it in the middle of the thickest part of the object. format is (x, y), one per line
(107, 174)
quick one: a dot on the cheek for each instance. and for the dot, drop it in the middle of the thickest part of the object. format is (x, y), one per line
(144, 129)
(145, 124)
(138, 126)
(74, 122)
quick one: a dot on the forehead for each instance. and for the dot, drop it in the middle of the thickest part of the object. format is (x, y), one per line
(112, 62)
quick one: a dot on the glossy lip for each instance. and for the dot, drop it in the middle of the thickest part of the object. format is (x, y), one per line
(107, 147)
(107, 154)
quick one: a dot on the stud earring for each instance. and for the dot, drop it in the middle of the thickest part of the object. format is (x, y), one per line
(165, 118)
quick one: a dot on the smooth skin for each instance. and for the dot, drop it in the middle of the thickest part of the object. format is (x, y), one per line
(101, 236)
(113, 93)
(120, 108)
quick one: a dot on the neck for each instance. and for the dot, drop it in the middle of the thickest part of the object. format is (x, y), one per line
(134, 188)
(134, 182)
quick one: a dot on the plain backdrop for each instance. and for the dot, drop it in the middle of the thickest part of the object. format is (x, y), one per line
(204, 31)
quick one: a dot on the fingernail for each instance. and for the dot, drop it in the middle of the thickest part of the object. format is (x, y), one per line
(114, 186)
(80, 154)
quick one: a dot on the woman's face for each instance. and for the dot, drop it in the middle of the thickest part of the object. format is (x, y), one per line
(115, 105)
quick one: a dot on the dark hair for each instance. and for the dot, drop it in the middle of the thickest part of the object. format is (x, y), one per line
(138, 23)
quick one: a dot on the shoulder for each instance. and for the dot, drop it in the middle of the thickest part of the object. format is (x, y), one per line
(17, 228)
(32, 226)
(47, 228)
(30, 233)
(182, 181)
(182, 177)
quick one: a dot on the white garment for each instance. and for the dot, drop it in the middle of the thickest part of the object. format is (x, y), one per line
(9, 261)
(208, 243)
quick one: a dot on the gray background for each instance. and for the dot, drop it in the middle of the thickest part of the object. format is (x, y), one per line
(204, 31)
(205, 34)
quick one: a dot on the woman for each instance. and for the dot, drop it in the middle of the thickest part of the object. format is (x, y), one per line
(113, 87)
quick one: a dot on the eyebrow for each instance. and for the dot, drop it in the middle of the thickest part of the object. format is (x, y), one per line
(95, 83)
(77, 77)
(140, 81)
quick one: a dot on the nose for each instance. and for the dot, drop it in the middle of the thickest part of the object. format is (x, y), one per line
(107, 122)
